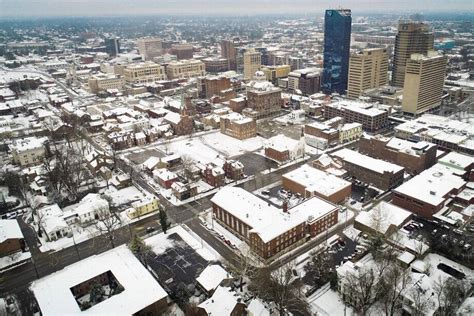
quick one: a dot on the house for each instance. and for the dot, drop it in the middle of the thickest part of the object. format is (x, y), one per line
(140, 139)
(223, 303)
(142, 207)
(52, 222)
(211, 277)
(184, 191)
(213, 175)
(233, 169)
(140, 293)
(90, 207)
(28, 151)
(181, 124)
(282, 148)
(11, 237)
(164, 177)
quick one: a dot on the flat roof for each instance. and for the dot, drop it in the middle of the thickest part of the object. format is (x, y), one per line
(367, 162)
(457, 160)
(382, 216)
(140, 288)
(357, 106)
(10, 229)
(316, 180)
(432, 185)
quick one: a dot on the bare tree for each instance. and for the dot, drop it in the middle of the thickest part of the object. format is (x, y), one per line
(393, 285)
(106, 224)
(281, 287)
(241, 268)
(188, 166)
(363, 285)
(450, 294)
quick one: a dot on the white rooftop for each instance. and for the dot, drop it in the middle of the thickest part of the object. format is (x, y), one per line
(432, 185)
(266, 220)
(281, 143)
(357, 106)
(367, 162)
(316, 180)
(457, 160)
(222, 302)
(382, 216)
(211, 277)
(9, 229)
(141, 289)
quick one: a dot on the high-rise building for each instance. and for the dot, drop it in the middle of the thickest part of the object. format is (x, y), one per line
(367, 69)
(229, 52)
(424, 80)
(412, 38)
(252, 63)
(185, 69)
(150, 47)
(112, 46)
(337, 40)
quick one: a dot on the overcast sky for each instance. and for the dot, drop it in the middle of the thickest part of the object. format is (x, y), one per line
(21, 8)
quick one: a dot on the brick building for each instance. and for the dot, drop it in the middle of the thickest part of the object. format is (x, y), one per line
(415, 157)
(371, 118)
(309, 181)
(233, 169)
(216, 64)
(264, 98)
(213, 175)
(213, 86)
(270, 231)
(182, 51)
(381, 174)
(429, 192)
(282, 148)
(181, 124)
(11, 237)
(237, 104)
(238, 126)
(322, 130)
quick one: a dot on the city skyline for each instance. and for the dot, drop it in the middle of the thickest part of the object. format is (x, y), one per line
(51, 8)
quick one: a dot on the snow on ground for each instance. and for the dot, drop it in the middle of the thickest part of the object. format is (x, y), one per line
(215, 226)
(80, 234)
(328, 302)
(351, 233)
(160, 242)
(8, 198)
(206, 148)
(12, 259)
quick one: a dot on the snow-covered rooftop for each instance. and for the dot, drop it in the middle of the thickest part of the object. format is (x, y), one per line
(316, 180)
(9, 229)
(211, 277)
(222, 302)
(432, 185)
(382, 216)
(457, 160)
(54, 295)
(282, 143)
(367, 162)
(357, 106)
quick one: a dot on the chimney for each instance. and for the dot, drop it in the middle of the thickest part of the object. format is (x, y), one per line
(285, 206)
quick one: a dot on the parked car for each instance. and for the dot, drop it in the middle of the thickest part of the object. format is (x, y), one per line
(265, 192)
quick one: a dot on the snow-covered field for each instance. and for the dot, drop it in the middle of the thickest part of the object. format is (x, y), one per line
(328, 302)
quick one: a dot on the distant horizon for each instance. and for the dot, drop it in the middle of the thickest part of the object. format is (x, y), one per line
(24, 9)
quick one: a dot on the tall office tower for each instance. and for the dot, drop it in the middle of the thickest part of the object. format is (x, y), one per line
(424, 80)
(112, 46)
(252, 63)
(150, 47)
(337, 41)
(229, 52)
(367, 69)
(412, 38)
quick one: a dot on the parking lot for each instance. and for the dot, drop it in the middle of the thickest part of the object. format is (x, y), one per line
(276, 195)
(450, 241)
(179, 264)
(254, 163)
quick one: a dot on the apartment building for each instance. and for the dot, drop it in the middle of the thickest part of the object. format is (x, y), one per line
(182, 51)
(367, 69)
(424, 81)
(145, 72)
(238, 126)
(371, 118)
(28, 151)
(273, 73)
(185, 69)
(216, 64)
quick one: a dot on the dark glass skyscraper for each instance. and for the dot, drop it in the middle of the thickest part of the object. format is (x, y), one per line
(337, 41)
(112, 46)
